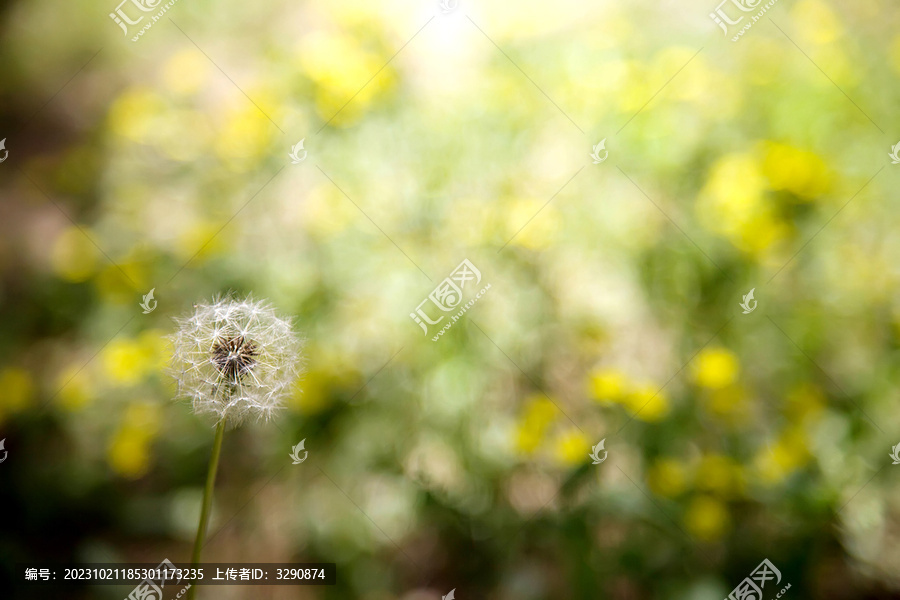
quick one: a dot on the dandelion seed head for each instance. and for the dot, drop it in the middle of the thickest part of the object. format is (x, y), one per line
(235, 359)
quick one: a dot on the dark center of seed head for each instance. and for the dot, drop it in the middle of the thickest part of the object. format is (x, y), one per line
(234, 357)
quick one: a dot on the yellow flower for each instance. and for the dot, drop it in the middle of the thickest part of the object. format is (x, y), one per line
(667, 477)
(608, 385)
(144, 417)
(74, 256)
(648, 403)
(243, 138)
(797, 171)
(733, 192)
(733, 203)
(816, 22)
(128, 361)
(154, 349)
(199, 242)
(895, 53)
(74, 383)
(572, 447)
(17, 388)
(707, 518)
(788, 454)
(324, 212)
(312, 393)
(128, 453)
(517, 219)
(186, 71)
(538, 414)
(729, 403)
(337, 64)
(135, 114)
(804, 401)
(719, 474)
(116, 287)
(715, 368)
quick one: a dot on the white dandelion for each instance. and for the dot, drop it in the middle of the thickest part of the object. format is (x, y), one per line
(235, 359)
(232, 359)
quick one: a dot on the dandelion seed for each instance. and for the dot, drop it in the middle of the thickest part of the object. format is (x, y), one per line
(235, 359)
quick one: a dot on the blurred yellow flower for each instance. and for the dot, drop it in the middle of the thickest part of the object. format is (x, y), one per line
(816, 22)
(327, 212)
(312, 392)
(719, 474)
(789, 453)
(114, 282)
(533, 224)
(736, 183)
(339, 66)
(608, 386)
(667, 477)
(798, 171)
(733, 203)
(186, 71)
(648, 403)
(199, 241)
(127, 361)
(729, 403)
(143, 416)
(18, 391)
(715, 368)
(804, 401)
(243, 138)
(128, 453)
(75, 385)
(537, 416)
(74, 256)
(707, 518)
(155, 349)
(134, 114)
(572, 447)
(895, 53)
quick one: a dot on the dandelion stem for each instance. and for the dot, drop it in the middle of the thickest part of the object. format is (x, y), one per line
(207, 500)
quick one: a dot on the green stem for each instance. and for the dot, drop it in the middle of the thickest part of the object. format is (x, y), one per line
(207, 501)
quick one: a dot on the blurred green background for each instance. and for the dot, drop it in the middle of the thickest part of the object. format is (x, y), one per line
(613, 312)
